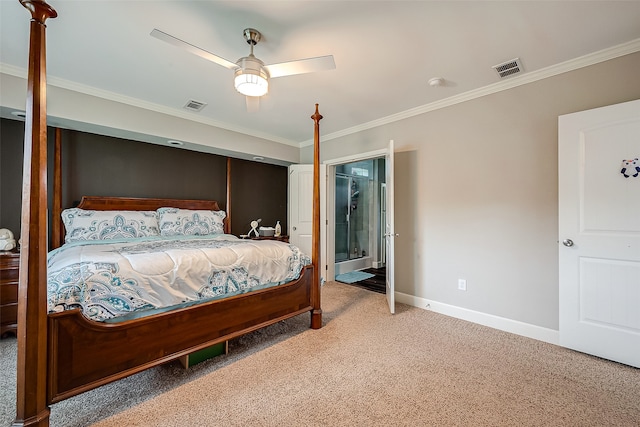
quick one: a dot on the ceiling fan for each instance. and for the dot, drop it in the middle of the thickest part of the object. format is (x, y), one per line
(251, 75)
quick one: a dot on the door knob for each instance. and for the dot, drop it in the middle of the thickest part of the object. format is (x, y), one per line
(294, 228)
(567, 242)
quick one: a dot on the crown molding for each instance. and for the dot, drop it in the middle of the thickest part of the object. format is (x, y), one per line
(632, 46)
(123, 99)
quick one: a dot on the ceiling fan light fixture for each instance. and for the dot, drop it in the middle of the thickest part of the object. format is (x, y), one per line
(251, 84)
(251, 78)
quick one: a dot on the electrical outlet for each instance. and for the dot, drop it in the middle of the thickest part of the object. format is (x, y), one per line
(462, 284)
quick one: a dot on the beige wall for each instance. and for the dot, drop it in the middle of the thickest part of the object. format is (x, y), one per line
(476, 191)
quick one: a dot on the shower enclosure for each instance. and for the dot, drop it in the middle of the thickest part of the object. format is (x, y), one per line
(358, 214)
(352, 207)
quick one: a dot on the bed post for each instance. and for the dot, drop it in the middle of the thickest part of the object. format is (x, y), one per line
(56, 208)
(316, 314)
(31, 396)
(228, 207)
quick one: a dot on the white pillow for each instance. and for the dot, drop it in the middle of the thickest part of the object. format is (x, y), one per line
(187, 222)
(83, 224)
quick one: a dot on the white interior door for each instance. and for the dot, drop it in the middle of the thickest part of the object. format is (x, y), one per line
(599, 233)
(390, 227)
(300, 202)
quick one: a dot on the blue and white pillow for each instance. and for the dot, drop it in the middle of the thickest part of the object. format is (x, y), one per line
(83, 224)
(188, 222)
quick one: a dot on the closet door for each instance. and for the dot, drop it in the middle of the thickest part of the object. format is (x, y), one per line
(599, 232)
(300, 208)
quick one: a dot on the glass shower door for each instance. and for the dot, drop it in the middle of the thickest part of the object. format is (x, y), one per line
(359, 207)
(342, 212)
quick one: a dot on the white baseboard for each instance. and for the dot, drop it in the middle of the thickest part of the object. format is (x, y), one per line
(508, 325)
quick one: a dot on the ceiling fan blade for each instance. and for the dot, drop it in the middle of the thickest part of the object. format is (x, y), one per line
(301, 66)
(191, 48)
(253, 104)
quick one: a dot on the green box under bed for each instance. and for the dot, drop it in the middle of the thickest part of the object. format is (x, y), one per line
(205, 354)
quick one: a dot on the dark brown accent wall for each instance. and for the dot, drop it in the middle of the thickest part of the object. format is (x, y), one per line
(11, 147)
(259, 190)
(98, 165)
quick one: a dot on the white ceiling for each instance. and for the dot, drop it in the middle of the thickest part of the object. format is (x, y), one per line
(385, 53)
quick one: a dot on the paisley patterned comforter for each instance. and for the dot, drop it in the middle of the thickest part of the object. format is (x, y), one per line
(121, 279)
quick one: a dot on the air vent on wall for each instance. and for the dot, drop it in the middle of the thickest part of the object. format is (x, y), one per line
(195, 105)
(509, 68)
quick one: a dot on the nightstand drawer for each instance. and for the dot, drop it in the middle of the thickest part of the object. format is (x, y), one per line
(9, 265)
(9, 271)
(8, 294)
(8, 314)
(9, 278)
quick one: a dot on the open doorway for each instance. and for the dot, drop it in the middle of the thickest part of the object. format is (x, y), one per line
(385, 225)
(359, 218)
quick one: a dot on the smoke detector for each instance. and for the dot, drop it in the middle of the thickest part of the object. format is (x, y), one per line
(436, 82)
(509, 68)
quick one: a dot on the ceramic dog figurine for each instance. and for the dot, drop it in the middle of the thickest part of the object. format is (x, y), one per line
(7, 242)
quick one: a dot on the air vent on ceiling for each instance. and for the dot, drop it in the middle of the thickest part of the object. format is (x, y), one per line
(509, 68)
(195, 105)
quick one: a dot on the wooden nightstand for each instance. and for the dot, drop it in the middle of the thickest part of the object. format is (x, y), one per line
(9, 268)
(280, 238)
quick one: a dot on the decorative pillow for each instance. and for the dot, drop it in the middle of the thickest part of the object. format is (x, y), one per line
(187, 222)
(83, 224)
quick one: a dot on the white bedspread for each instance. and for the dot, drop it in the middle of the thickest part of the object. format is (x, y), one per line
(108, 279)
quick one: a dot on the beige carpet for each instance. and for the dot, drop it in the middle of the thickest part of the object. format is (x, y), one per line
(366, 368)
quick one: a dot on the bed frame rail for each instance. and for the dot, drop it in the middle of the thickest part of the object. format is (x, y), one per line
(84, 354)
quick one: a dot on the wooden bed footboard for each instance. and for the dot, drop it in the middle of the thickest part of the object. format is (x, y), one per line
(84, 354)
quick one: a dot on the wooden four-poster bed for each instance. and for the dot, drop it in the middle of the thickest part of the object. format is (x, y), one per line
(63, 354)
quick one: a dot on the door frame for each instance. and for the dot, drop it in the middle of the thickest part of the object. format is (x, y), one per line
(331, 200)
